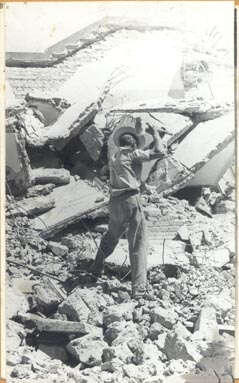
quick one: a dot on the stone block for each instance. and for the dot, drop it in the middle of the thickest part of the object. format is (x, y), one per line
(128, 333)
(121, 352)
(118, 312)
(206, 326)
(222, 302)
(47, 297)
(166, 317)
(179, 348)
(74, 307)
(54, 352)
(160, 342)
(112, 365)
(58, 249)
(87, 350)
(155, 330)
(113, 330)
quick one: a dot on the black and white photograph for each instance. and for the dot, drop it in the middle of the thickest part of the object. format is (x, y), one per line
(120, 211)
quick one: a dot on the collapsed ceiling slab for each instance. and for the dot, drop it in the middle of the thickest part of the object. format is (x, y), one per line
(72, 201)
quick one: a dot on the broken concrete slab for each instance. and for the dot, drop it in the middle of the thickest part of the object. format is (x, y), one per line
(50, 108)
(54, 325)
(206, 325)
(214, 137)
(72, 202)
(160, 252)
(93, 140)
(32, 206)
(198, 110)
(70, 124)
(201, 169)
(48, 175)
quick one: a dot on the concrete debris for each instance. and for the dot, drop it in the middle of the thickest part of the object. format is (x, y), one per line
(56, 352)
(17, 162)
(206, 325)
(47, 296)
(54, 176)
(72, 202)
(64, 325)
(32, 206)
(58, 249)
(54, 325)
(74, 307)
(177, 347)
(166, 318)
(160, 252)
(87, 350)
(203, 207)
(93, 139)
(47, 109)
(220, 365)
(194, 108)
(42, 190)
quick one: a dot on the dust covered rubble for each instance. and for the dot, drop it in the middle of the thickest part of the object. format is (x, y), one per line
(62, 325)
(67, 328)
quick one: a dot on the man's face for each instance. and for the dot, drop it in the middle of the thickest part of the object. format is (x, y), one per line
(129, 141)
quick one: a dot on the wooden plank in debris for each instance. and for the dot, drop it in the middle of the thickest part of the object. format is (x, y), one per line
(54, 325)
(72, 201)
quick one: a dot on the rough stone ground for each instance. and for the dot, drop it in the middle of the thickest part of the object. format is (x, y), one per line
(184, 327)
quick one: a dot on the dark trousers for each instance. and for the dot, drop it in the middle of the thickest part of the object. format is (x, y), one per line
(126, 213)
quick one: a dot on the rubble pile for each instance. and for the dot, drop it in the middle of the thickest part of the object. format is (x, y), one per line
(63, 325)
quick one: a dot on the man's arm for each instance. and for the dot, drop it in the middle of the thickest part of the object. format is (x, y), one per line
(159, 150)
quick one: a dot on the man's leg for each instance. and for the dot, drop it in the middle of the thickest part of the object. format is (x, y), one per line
(117, 226)
(137, 248)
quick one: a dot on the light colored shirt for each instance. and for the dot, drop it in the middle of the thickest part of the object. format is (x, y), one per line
(125, 170)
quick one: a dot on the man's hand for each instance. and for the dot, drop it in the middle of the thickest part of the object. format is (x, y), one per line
(151, 129)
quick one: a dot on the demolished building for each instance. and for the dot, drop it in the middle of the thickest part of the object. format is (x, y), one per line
(56, 220)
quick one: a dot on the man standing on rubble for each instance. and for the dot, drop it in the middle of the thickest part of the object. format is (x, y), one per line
(126, 212)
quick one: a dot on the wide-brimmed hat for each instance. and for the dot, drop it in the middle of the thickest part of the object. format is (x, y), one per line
(128, 130)
(129, 125)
